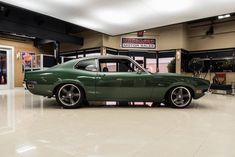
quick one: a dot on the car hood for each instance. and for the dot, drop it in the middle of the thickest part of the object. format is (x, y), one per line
(166, 74)
(180, 77)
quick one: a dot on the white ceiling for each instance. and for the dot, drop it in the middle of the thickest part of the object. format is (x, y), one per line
(122, 16)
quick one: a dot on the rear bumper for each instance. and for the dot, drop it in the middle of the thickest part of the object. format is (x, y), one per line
(29, 84)
(39, 89)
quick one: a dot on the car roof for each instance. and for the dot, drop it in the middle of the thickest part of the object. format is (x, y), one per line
(73, 62)
(106, 57)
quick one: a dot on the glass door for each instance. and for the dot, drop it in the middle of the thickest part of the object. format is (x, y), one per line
(151, 65)
(166, 65)
(3, 69)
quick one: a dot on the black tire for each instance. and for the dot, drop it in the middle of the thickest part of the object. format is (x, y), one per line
(85, 102)
(70, 96)
(179, 97)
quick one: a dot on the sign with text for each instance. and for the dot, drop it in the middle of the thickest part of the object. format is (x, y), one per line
(144, 43)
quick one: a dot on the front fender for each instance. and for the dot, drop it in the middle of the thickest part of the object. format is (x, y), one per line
(181, 84)
(198, 90)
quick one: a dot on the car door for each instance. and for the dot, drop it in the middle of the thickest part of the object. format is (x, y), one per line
(86, 73)
(122, 85)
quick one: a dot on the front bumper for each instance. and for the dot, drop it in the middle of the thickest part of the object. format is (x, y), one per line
(199, 93)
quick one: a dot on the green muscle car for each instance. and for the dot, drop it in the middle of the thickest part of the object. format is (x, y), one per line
(112, 78)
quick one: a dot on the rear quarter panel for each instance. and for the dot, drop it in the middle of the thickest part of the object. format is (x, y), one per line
(84, 79)
(44, 82)
(49, 80)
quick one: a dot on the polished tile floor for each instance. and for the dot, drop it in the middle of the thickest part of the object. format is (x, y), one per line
(33, 126)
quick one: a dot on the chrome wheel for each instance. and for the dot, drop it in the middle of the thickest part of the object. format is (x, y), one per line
(180, 97)
(69, 95)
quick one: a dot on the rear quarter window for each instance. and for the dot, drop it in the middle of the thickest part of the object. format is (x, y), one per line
(87, 65)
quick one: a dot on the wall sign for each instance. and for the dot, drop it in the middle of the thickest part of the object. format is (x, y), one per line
(144, 43)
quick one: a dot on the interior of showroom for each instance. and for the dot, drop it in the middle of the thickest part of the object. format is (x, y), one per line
(210, 39)
(182, 37)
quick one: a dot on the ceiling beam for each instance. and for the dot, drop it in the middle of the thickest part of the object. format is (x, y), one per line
(25, 22)
(8, 26)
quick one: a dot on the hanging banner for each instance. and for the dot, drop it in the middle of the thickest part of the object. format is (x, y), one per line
(144, 43)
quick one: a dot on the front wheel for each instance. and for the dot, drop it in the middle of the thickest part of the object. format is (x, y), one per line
(70, 96)
(179, 97)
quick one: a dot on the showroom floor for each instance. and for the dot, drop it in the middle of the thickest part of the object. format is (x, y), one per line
(31, 126)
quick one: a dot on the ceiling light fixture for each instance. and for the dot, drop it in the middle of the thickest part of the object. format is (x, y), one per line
(69, 3)
(168, 6)
(113, 17)
(86, 23)
(224, 16)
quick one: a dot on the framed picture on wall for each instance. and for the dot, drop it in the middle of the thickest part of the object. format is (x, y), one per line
(27, 60)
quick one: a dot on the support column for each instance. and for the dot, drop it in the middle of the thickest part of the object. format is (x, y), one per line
(178, 61)
(56, 51)
(103, 50)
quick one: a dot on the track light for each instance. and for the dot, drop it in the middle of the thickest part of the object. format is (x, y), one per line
(224, 16)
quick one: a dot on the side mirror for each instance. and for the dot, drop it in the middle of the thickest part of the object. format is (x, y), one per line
(139, 71)
(91, 68)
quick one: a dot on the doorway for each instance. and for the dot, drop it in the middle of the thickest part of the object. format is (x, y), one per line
(163, 64)
(6, 67)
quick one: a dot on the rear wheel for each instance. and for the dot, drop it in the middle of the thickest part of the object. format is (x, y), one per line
(70, 96)
(179, 97)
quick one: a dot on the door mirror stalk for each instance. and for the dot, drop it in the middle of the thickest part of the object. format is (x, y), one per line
(139, 71)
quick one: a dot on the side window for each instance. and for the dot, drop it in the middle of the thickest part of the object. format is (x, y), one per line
(88, 65)
(109, 67)
(117, 65)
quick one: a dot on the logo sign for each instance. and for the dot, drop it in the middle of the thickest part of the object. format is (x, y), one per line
(145, 43)
(140, 33)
